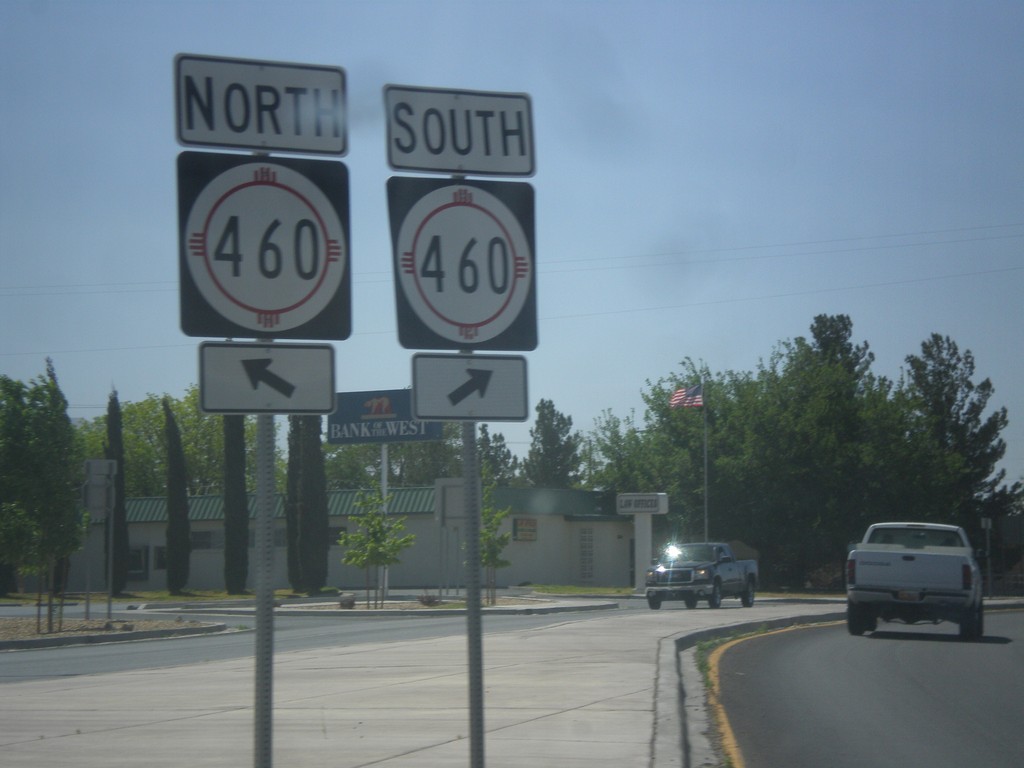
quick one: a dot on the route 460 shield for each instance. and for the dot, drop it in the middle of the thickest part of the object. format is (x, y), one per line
(465, 272)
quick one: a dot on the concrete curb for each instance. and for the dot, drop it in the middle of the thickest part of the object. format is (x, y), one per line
(411, 613)
(108, 637)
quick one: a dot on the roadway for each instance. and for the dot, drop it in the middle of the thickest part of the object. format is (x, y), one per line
(594, 688)
(901, 696)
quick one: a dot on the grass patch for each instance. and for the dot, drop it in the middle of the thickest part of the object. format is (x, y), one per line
(563, 589)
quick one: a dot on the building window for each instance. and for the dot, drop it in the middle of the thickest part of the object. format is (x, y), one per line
(159, 558)
(586, 554)
(138, 563)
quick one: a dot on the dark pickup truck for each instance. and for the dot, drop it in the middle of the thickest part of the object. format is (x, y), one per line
(693, 572)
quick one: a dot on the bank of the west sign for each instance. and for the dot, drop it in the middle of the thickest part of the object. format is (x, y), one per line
(378, 417)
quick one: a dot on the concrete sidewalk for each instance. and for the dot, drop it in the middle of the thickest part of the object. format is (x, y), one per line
(601, 690)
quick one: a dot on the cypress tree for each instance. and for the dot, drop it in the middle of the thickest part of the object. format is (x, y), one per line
(179, 545)
(236, 507)
(119, 516)
(312, 528)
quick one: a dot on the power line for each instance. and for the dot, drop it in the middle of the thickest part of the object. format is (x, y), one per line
(545, 266)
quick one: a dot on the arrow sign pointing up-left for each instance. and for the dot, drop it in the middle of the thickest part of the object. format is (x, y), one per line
(259, 373)
(266, 378)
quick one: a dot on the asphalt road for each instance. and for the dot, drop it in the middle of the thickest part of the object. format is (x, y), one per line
(901, 696)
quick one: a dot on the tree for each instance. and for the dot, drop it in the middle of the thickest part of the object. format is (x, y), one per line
(492, 540)
(114, 450)
(306, 506)
(554, 458)
(496, 459)
(313, 541)
(39, 479)
(20, 538)
(348, 467)
(179, 545)
(942, 390)
(145, 461)
(378, 540)
(236, 507)
(625, 453)
(422, 462)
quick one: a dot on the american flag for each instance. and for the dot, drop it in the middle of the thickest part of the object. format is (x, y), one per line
(688, 397)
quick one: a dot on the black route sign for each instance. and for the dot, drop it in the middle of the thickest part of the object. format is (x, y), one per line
(264, 246)
(464, 263)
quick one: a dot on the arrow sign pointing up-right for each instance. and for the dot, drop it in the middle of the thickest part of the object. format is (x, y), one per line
(479, 378)
(469, 387)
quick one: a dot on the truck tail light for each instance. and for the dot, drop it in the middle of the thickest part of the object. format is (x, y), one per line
(968, 577)
(851, 571)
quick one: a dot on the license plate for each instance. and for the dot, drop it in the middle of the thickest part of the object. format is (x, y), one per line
(908, 595)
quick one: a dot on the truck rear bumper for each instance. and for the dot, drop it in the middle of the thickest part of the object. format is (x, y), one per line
(912, 605)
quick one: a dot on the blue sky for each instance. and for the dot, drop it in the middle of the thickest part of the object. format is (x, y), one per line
(710, 176)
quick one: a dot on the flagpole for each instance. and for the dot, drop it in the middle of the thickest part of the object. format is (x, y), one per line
(705, 409)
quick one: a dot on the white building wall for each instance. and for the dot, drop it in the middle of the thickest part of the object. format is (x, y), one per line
(551, 550)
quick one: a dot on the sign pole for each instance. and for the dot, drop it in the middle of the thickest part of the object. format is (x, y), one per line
(264, 702)
(470, 472)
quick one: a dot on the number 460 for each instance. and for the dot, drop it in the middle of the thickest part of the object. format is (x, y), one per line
(497, 266)
(305, 248)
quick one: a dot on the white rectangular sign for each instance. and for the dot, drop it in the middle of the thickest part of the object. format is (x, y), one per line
(637, 503)
(238, 377)
(460, 132)
(469, 387)
(263, 105)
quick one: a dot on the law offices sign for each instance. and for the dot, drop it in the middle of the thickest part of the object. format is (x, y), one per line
(381, 416)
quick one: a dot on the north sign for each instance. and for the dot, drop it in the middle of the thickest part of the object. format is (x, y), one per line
(460, 132)
(260, 105)
(264, 247)
(469, 387)
(464, 264)
(237, 377)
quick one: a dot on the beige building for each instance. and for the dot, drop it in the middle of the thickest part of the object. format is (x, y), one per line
(558, 537)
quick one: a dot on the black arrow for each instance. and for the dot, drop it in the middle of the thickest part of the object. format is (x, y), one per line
(478, 380)
(258, 372)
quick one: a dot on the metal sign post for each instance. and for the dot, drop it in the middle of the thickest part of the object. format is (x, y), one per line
(465, 280)
(264, 700)
(264, 251)
(474, 633)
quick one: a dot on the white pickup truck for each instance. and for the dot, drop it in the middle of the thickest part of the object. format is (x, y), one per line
(913, 572)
